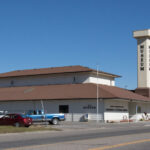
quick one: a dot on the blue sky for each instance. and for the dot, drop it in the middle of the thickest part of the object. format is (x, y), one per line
(50, 33)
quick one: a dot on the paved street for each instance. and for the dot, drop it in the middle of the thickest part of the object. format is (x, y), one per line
(82, 136)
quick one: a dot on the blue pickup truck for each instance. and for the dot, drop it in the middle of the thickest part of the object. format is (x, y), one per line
(40, 116)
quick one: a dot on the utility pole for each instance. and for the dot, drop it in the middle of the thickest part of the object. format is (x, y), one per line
(42, 106)
(97, 98)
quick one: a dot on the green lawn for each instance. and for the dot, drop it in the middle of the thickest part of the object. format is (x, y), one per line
(11, 129)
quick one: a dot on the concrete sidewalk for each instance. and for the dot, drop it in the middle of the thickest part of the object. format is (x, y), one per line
(94, 125)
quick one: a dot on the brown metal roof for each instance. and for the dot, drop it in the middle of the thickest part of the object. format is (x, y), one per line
(55, 70)
(70, 91)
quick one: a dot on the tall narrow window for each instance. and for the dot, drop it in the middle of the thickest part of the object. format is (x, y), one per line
(11, 82)
(139, 109)
(74, 79)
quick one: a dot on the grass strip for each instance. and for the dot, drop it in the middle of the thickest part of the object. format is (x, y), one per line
(11, 129)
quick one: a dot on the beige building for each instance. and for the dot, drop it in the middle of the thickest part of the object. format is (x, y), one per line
(143, 61)
(73, 90)
(80, 91)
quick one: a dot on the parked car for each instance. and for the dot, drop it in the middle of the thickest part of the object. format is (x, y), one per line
(41, 116)
(16, 120)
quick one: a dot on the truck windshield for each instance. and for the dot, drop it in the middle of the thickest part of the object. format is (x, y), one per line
(31, 112)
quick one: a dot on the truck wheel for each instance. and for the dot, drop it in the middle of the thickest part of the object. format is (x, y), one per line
(55, 121)
(17, 124)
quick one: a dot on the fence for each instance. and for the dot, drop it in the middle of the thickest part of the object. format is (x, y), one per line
(83, 117)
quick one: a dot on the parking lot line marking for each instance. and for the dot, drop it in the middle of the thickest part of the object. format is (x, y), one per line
(120, 145)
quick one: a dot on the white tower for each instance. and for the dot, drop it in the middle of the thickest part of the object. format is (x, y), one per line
(143, 51)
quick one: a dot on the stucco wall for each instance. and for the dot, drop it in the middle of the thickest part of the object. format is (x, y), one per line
(54, 79)
(43, 80)
(120, 106)
(145, 107)
(77, 108)
(102, 80)
(143, 75)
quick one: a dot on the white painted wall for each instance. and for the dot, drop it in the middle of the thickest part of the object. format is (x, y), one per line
(102, 80)
(113, 115)
(55, 79)
(144, 76)
(145, 107)
(43, 80)
(143, 39)
(76, 111)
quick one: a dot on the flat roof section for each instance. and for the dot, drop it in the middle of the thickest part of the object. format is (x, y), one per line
(141, 33)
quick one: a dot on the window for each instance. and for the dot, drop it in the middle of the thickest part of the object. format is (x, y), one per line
(7, 116)
(142, 68)
(34, 112)
(142, 46)
(138, 109)
(12, 82)
(63, 109)
(40, 112)
(14, 117)
(74, 79)
(141, 50)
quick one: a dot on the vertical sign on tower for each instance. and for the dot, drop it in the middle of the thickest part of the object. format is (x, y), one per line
(143, 50)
